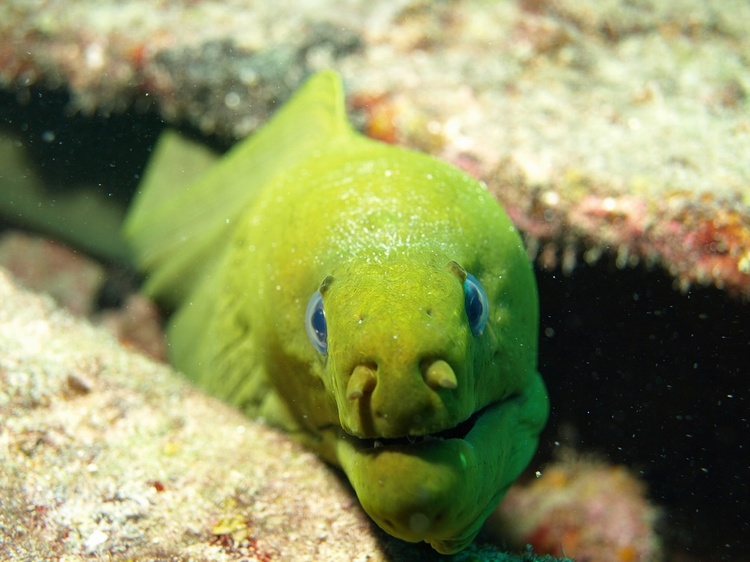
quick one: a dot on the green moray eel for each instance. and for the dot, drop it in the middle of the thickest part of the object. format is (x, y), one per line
(373, 301)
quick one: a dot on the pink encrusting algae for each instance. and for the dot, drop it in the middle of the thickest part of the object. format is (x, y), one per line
(586, 510)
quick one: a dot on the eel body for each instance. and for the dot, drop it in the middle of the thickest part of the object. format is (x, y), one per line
(373, 301)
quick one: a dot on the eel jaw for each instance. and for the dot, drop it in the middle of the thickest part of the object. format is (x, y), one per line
(435, 488)
(442, 490)
(459, 431)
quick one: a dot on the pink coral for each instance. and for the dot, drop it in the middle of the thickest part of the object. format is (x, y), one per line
(589, 511)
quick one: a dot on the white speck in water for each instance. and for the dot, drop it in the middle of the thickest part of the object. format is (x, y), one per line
(609, 204)
(248, 76)
(388, 173)
(48, 136)
(94, 56)
(551, 198)
(538, 474)
(232, 100)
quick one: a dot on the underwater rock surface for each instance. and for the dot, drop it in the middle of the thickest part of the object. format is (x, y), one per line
(106, 453)
(604, 127)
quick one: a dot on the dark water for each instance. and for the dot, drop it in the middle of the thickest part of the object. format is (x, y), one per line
(71, 149)
(657, 380)
(638, 372)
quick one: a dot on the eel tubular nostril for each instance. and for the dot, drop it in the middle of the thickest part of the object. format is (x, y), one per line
(440, 375)
(362, 381)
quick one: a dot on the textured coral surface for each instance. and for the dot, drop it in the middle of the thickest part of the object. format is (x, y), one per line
(614, 126)
(587, 510)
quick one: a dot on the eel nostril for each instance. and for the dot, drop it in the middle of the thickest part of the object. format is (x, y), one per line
(439, 374)
(362, 381)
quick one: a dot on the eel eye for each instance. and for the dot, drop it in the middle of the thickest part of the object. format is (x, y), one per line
(315, 323)
(476, 304)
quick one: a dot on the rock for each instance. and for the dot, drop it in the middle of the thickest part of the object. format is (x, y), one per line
(137, 324)
(71, 278)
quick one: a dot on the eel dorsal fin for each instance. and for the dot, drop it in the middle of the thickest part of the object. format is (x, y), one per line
(178, 231)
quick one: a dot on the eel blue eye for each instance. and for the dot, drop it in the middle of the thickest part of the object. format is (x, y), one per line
(476, 304)
(315, 323)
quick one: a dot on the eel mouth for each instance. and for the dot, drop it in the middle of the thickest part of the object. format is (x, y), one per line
(459, 431)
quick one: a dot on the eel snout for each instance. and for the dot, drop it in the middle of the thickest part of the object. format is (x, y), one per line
(387, 402)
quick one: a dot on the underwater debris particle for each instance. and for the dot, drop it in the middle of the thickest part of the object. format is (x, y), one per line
(379, 116)
(157, 485)
(234, 534)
